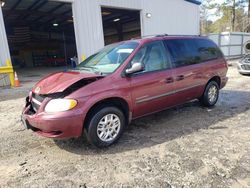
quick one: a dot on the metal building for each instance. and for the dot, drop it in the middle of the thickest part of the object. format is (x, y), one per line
(93, 21)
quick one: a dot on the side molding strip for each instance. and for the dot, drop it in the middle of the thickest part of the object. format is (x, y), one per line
(138, 100)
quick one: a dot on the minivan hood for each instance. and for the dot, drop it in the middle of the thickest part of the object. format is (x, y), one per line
(59, 82)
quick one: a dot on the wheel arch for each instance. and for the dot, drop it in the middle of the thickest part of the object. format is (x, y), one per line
(118, 102)
(217, 79)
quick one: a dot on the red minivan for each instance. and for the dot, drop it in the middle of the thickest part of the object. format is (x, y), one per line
(122, 82)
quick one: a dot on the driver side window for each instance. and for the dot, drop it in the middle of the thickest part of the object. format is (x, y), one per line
(152, 56)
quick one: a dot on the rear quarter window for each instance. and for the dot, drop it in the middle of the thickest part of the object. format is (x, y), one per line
(208, 50)
(183, 52)
(192, 51)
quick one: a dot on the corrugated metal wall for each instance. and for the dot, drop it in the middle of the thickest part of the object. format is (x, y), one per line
(168, 16)
(130, 4)
(88, 28)
(171, 17)
(4, 50)
(232, 44)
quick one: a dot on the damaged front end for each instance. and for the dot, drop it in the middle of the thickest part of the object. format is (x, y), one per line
(50, 114)
(35, 100)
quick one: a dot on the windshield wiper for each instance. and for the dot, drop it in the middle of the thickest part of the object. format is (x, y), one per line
(95, 69)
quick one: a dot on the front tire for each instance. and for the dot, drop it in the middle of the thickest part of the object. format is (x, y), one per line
(211, 94)
(105, 126)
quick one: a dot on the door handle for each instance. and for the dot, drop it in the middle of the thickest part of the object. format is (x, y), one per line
(180, 77)
(169, 80)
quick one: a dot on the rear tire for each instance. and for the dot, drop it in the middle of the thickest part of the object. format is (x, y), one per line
(105, 126)
(211, 94)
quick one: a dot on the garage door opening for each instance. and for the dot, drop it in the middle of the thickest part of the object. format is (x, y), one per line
(120, 24)
(40, 33)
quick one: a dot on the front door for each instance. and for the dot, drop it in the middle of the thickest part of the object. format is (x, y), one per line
(153, 88)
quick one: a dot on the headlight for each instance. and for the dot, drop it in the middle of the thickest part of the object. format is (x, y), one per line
(60, 105)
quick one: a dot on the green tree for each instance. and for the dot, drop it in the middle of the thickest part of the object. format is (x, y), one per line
(247, 28)
(205, 23)
(231, 13)
(229, 10)
(224, 23)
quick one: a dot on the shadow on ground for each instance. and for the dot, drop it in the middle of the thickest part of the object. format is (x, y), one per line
(168, 125)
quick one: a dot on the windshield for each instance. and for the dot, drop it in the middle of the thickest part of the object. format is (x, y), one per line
(109, 58)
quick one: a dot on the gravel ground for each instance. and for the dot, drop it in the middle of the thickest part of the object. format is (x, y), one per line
(187, 146)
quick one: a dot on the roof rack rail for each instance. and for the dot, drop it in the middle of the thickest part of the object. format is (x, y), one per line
(142, 37)
(183, 35)
(163, 35)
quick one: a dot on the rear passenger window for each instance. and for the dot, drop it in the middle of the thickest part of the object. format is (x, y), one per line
(192, 51)
(183, 52)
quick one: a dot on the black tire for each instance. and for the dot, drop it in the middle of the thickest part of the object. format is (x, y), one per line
(205, 99)
(97, 116)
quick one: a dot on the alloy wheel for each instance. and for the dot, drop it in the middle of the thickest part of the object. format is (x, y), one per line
(108, 127)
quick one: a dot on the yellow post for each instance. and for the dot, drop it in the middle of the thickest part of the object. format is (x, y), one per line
(83, 57)
(8, 70)
(11, 75)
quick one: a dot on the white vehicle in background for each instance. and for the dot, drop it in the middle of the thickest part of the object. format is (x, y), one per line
(244, 65)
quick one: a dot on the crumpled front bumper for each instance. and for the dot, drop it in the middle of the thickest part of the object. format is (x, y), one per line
(67, 124)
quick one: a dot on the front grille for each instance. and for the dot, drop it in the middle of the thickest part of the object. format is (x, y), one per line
(36, 101)
(40, 98)
(245, 67)
(35, 106)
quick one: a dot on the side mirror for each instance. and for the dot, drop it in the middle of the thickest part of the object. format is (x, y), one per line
(136, 67)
